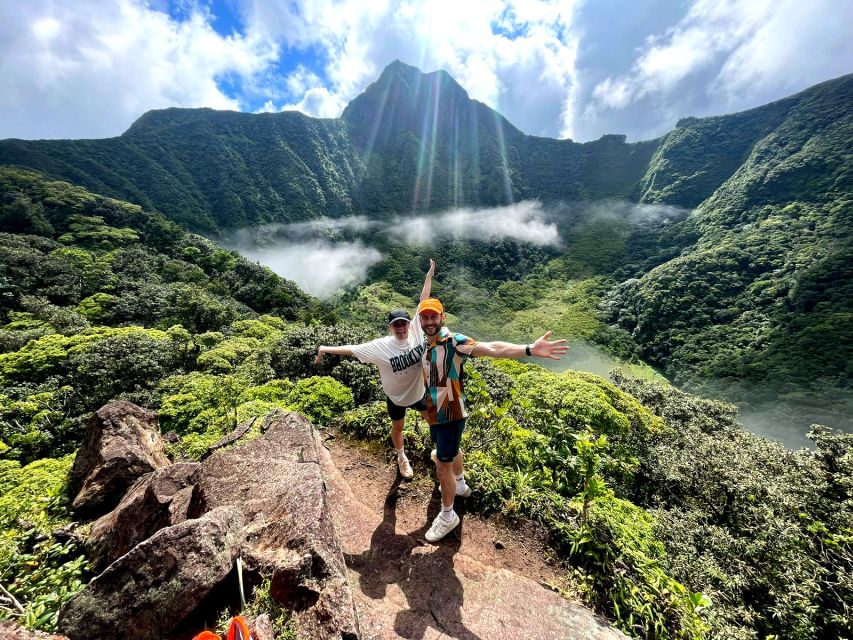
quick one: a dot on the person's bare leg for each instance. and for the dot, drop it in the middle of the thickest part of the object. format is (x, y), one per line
(397, 433)
(447, 482)
(397, 439)
(458, 469)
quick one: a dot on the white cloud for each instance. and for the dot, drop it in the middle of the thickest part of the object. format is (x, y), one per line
(89, 69)
(726, 55)
(524, 221)
(314, 255)
(567, 68)
(318, 102)
(791, 48)
(320, 267)
(517, 57)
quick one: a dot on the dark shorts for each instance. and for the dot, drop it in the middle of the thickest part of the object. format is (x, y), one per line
(447, 437)
(398, 413)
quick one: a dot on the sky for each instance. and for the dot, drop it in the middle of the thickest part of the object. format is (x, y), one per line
(575, 69)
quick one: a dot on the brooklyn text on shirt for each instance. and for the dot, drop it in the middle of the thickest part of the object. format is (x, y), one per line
(413, 357)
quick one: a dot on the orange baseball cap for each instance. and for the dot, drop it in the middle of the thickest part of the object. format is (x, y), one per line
(431, 304)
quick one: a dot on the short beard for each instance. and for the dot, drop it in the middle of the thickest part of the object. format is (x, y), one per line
(431, 331)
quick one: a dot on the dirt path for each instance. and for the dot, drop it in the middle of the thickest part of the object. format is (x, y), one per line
(481, 582)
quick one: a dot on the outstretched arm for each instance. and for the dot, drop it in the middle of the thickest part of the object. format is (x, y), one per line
(428, 281)
(542, 348)
(335, 351)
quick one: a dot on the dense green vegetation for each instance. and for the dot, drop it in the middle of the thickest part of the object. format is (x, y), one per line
(765, 294)
(101, 300)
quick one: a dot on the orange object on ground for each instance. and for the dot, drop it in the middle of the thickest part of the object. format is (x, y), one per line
(207, 635)
(238, 630)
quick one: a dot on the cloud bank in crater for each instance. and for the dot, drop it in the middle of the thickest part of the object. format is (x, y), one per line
(327, 254)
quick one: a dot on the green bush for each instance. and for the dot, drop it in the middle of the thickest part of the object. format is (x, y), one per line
(371, 422)
(763, 530)
(293, 356)
(39, 572)
(320, 398)
(619, 548)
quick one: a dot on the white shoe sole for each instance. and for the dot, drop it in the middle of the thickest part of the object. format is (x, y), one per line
(435, 537)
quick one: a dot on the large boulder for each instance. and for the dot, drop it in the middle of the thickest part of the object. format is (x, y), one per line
(144, 594)
(277, 483)
(121, 444)
(145, 509)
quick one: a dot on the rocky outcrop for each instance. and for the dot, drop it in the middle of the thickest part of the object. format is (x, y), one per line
(13, 631)
(144, 510)
(277, 483)
(405, 588)
(121, 444)
(146, 592)
(175, 534)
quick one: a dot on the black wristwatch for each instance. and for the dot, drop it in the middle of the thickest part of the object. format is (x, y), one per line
(527, 350)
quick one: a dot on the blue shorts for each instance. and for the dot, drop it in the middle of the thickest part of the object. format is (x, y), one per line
(447, 437)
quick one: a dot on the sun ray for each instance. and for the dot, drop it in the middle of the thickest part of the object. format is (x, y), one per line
(504, 159)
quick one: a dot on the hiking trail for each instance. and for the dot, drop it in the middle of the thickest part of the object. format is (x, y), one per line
(482, 582)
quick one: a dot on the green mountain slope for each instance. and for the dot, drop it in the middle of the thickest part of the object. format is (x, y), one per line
(766, 292)
(412, 141)
(100, 299)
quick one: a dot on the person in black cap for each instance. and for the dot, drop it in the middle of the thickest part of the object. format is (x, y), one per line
(398, 356)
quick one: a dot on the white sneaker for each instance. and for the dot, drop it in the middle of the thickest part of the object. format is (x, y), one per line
(405, 468)
(434, 455)
(464, 492)
(441, 527)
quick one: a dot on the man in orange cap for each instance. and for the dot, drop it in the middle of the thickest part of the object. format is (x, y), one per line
(443, 363)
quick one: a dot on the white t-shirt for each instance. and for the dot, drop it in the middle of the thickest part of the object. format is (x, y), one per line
(399, 363)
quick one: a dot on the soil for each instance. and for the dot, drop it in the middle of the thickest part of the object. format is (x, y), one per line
(517, 546)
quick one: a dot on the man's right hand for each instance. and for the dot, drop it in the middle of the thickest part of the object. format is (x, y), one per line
(319, 358)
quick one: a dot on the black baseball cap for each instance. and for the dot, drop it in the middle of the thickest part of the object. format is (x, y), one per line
(398, 314)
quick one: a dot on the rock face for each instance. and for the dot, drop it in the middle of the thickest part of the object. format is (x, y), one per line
(122, 443)
(13, 631)
(146, 592)
(144, 510)
(277, 483)
(176, 532)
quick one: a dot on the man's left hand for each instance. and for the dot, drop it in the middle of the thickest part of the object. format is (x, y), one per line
(554, 349)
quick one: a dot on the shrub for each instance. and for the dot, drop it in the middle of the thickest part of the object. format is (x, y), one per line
(293, 356)
(320, 398)
(39, 572)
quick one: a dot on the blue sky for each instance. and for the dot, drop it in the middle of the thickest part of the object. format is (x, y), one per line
(563, 68)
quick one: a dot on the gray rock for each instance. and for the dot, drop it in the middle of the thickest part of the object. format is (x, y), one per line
(277, 483)
(144, 594)
(145, 509)
(13, 631)
(121, 444)
(261, 628)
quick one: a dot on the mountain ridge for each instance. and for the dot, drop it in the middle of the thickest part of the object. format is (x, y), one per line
(444, 150)
(410, 142)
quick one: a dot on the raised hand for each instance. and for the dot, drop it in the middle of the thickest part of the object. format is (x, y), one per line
(319, 358)
(431, 270)
(554, 349)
